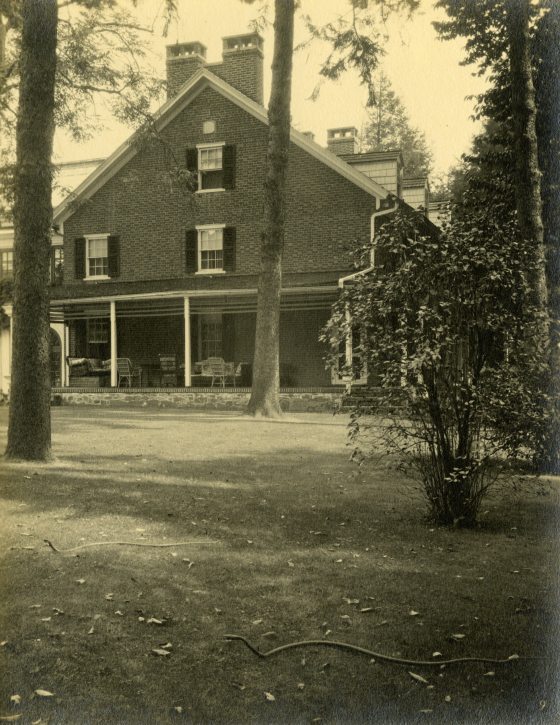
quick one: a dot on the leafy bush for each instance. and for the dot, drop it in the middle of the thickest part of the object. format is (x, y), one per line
(446, 330)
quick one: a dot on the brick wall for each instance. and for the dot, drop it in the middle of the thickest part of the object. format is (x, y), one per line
(150, 212)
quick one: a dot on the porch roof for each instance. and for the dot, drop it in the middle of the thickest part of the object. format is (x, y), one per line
(201, 302)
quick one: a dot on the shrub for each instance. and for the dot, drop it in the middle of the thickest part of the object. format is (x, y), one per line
(446, 323)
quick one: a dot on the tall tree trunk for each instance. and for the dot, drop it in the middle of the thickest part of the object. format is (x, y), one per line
(29, 430)
(528, 176)
(265, 394)
(529, 213)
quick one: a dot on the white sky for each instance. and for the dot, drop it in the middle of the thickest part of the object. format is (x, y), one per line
(424, 71)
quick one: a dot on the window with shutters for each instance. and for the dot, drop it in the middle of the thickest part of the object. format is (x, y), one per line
(210, 167)
(210, 249)
(97, 256)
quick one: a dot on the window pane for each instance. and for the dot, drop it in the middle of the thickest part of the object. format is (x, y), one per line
(7, 263)
(210, 159)
(211, 248)
(98, 263)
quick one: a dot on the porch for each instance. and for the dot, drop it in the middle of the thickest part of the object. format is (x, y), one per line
(96, 335)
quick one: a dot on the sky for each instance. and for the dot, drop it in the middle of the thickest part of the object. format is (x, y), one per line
(425, 73)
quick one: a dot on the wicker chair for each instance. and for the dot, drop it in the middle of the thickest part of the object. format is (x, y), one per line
(127, 373)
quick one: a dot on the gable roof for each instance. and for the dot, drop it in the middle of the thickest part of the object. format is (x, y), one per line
(203, 78)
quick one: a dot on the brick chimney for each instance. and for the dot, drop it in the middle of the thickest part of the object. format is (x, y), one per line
(341, 141)
(183, 60)
(242, 64)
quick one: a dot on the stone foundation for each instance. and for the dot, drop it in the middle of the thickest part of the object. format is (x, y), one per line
(301, 400)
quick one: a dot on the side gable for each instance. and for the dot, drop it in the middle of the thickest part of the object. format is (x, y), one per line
(199, 81)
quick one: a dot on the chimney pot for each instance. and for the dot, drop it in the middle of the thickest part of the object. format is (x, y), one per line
(183, 60)
(341, 141)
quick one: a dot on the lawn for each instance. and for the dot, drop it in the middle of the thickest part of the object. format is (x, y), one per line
(287, 540)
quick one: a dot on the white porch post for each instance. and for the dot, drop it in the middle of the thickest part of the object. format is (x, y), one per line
(65, 367)
(113, 309)
(348, 350)
(187, 317)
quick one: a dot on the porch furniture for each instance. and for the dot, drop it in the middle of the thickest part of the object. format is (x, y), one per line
(87, 372)
(168, 367)
(217, 370)
(127, 373)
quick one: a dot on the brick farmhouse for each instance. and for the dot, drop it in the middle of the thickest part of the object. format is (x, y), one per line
(156, 252)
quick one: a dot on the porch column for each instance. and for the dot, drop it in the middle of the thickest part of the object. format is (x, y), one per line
(113, 309)
(348, 348)
(187, 317)
(6, 350)
(65, 367)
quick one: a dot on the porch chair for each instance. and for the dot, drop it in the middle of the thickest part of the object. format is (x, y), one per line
(215, 368)
(127, 373)
(233, 371)
(168, 367)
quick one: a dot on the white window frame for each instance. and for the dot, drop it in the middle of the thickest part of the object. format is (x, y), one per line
(7, 254)
(201, 147)
(91, 238)
(203, 228)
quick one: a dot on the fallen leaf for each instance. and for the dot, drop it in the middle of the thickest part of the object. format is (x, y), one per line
(269, 696)
(490, 673)
(81, 581)
(10, 718)
(178, 709)
(426, 711)
(418, 678)
(141, 619)
(46, 619)
(436, 654)
(513, 657)
(291, 563)
(119, 613)
(16, 699)
(57, 611)
(44, 693)
(109, 597)
(300, 685)
(91, 631)
(447, 698)
(363, 610)
(160, 652)
(412, 613)
(35, 606)
(153, 620)
(350, 601)
(270, 635)
(458, 636)
(257, 621)
(238, 685)
(167, 645)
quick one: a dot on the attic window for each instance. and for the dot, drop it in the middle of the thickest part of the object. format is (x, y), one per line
(209, 127)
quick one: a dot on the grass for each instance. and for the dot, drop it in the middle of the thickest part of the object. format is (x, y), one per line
(302, 533)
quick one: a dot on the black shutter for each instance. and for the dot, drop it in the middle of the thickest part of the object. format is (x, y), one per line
(191, 256)
(113, 257)
(229, 249)
(80, 257)
(228, 161)
(192, 166)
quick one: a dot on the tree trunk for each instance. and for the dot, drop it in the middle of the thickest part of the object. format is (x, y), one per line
(29, 430)
(528, 176)
(265, 394)
(529, 213)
